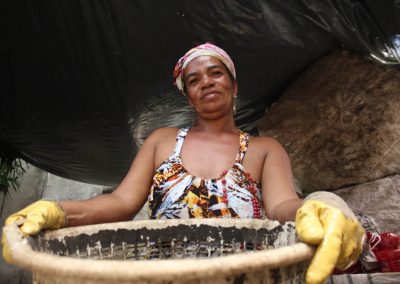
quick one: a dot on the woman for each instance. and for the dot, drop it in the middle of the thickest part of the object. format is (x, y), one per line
(212, 170)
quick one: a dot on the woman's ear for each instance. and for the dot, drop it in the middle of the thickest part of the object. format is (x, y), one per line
(190, 103)
(235, 89)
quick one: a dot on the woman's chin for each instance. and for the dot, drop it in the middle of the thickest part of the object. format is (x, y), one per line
(214, 113)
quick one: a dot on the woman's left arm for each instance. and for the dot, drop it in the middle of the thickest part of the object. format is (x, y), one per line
(324, 219)
(278, 191)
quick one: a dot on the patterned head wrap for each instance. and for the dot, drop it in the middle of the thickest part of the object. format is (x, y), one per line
(203, 49)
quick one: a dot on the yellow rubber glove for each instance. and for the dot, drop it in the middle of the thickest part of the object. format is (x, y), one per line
(337, 233)
(37, 216)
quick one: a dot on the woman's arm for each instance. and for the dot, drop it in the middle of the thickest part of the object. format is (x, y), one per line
(278, 192)
(120, 205)
(323, 220)
(125, 201)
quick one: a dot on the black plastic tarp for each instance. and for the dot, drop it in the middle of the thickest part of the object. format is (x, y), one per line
(83, 82)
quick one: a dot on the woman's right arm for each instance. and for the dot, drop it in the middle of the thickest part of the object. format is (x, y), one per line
(120, 205)
(124, 202)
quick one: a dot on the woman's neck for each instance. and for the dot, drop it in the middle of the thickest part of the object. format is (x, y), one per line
(216, 126)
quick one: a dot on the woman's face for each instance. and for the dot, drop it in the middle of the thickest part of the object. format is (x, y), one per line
(209, 86)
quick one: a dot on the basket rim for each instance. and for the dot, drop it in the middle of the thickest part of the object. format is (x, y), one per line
(162, 224)
(148, 270)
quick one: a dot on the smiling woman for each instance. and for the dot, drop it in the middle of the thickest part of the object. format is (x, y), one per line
(212, 169)
(210, 86)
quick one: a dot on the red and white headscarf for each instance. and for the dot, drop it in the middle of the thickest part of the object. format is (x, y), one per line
(203, 49)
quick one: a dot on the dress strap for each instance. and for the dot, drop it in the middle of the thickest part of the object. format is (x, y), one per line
(244, 143)
(180, 137)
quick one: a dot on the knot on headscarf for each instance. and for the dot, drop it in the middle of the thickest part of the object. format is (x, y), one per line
(200, 50)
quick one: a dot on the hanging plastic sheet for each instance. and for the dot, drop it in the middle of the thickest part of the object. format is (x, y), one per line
(83, 83)
(369, 27)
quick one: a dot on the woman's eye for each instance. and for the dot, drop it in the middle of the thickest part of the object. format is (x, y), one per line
(193, 81)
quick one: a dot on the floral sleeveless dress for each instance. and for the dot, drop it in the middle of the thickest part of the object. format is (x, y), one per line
(175, 193)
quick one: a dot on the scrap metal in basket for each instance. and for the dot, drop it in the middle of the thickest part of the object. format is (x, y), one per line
(165, 251)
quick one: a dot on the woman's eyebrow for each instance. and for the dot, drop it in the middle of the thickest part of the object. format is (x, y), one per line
(208, 68)
(214, 67)
(191, 74)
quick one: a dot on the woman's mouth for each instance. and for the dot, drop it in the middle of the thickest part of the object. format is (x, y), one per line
(210, 95)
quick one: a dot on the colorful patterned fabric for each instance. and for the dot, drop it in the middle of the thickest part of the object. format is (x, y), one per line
(175, 193)
(203, 49)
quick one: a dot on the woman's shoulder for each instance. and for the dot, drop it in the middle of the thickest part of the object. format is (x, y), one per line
(163, 134)
(163, 141)
(266, 143)
(264, 140)
(165, 131)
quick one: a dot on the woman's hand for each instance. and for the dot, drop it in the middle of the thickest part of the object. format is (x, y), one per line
(37, 216)
(325, 220)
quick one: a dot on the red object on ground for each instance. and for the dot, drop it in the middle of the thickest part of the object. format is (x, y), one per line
(389, 260)
(386, 248)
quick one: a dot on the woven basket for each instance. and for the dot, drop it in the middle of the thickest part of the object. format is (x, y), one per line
(165, 251)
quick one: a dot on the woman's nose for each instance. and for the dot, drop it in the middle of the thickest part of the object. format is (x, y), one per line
(207, 81)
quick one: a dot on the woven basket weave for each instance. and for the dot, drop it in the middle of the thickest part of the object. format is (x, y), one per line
(165, 251)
